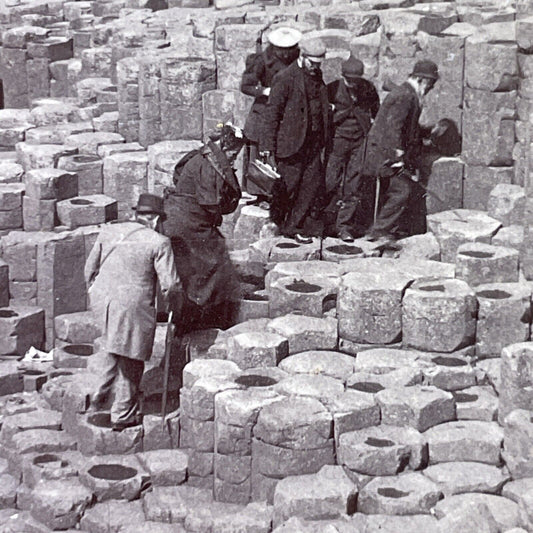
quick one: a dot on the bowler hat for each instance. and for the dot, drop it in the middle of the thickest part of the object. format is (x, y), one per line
(314, 49)
(284, 37)
(426, 69)
(150, 203)
(352, 68)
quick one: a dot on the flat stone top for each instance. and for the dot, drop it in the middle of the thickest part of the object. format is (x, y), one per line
(127, 157)
(482, 249)
(258, 339)
(468, 429)
(240, 407)
(417, 396)
(17, 188)
(317, 386)
(439, 288)
(293, 324)
(396, 434)
(493, 291)
(41, 174)
(329, 363)
(349, 401)
(388, 358)
(371, 280)
(307, 268)
(207, 367)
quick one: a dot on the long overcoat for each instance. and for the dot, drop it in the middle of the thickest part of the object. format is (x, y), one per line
(395, 127)
(122, 295)
(285, 119)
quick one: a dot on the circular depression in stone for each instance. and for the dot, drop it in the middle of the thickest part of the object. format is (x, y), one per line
(101, 420)
(7, 313)
(112, 472)
(85, 158)
(32, 372)
(111, 89)
(303, 287)
(391, 492)
(379, 443)
(287, 245)
(81, 201)
(83, 350)
(47, 459)
(432, 288)
(367, 386)
(448, 361)
(494, 294)
(344, 249)
(255, 380)
(477, 254)
(464, 397)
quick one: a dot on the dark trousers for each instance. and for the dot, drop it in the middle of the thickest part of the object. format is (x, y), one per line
(303, 177)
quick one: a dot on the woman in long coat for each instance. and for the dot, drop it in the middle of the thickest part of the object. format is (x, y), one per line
(205, 189)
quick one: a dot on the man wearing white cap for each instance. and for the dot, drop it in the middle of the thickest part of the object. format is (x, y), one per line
(295, 132)
(261, 68)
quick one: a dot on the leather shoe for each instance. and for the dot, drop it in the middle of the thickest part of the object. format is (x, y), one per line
(346, 236)
(302, 239)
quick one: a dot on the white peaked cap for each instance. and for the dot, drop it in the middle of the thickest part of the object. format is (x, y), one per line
(284, 37)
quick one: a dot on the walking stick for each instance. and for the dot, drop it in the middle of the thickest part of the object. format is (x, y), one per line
(166, 369)
(376, 201)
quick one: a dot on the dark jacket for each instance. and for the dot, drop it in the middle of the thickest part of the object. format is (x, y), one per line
(352, 117)
(396, 127)
(260, 70)
(286, 116)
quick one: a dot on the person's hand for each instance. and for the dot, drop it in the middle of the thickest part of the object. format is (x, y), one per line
(399, 153)
(332, 107)
(266, 91)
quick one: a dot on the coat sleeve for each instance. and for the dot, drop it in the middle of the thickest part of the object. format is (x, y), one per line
(252, 76)
(399, 112)
(206, 184)
(92, 265)
(165, 267)
(275, 109)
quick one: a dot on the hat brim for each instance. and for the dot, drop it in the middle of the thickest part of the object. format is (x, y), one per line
(425, 75)
(315, 59)
(147, 211)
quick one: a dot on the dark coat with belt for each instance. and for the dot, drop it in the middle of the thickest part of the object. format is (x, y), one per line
(396, 127)
(286, 116)
(259, 73)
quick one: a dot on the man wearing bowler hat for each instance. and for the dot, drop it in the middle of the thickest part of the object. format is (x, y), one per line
(392, 151)
(295, 126)
(355, 103)
(121, 271)
(261, 68)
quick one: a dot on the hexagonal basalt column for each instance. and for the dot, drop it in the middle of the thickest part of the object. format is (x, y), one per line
(200, 368)
(516, 386)
(305, 332)
(114, 477)
(478, 263)
(95, 436)
(311, 296)
(450, 372)
(329, 363)
(236, 414)
(303, 270)
(314, 386)
(459, 226)
(338, 251)
(439, 316)
(476, 403)
(504, 316)
(369, 306)
(89, 171)
(257, 349)
(382, 450)
(518, 432)
(419, 406)
(507, 203)
(289, 250)
(410, 493)
(20, 328)
(87, 210)
(38, 467)
(291, 437)
(72, 355)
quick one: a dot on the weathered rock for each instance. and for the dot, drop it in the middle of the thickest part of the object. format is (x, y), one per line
(87, 210)
(200, 368)
(315, 386)
(504, 311)
(260, 349)
(420, 407)
(479, 182)
(328, 363)
(32, 156)
(466, 518)
(60, 504)
(38, 419)
(328, 494)
(88, 169)
(42, 441)
(439, 315)
(20, 328)
(505, 512)
(166, 467)
(382, 450)
(516, 387)
(479, 263)
(476, 403)
(409, 493)
(517, 455)
(450, 372)
(112, 516)
(302, 270)
(465, 441)
(369, 306)
(306, 333)
(37, 467)
(507, 203)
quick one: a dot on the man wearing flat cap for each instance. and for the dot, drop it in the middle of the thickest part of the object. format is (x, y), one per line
(121, 271)
(391, 156)
(355, 103)
(261, 68)
(295, 133)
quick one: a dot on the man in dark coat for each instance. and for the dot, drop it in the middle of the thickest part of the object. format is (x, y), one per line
(355, 103)
(295, 132)
(393, 146)
(205, 189)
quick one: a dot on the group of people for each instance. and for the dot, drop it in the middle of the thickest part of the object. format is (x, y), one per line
(295, 124)
(348, 164)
